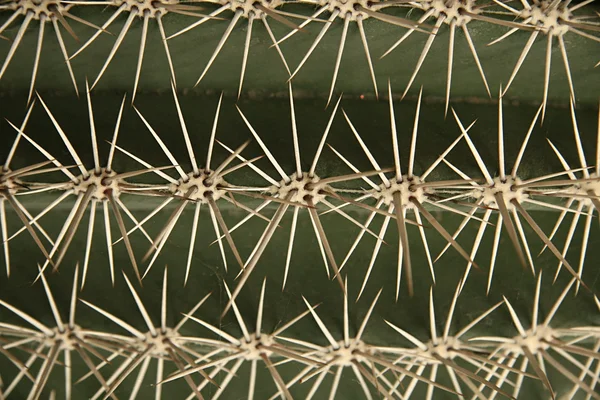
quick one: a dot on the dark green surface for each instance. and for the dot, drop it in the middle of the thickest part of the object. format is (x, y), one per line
(271, 119)
(264, 103)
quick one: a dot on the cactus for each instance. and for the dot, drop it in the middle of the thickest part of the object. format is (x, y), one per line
(235, 304)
